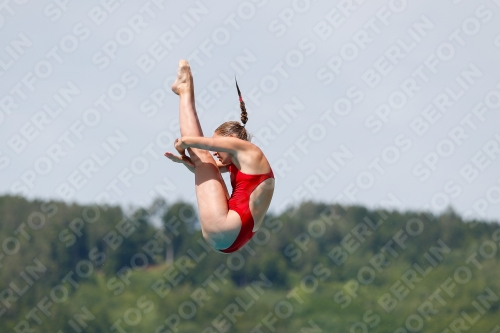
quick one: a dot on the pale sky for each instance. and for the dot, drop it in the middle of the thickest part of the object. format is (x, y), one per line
(390, 104)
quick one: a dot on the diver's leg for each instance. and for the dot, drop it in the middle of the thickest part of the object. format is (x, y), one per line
(210, 192)
(184, 87)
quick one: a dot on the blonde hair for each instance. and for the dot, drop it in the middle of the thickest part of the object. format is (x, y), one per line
(234, 128)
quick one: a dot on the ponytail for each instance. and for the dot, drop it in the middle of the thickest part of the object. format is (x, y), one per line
(235, 128)
(244, 115)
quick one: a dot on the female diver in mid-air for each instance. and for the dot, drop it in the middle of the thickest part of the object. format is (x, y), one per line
(227, 223)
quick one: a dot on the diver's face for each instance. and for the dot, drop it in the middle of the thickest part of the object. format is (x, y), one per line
(223, 157)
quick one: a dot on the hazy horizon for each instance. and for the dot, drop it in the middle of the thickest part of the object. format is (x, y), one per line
(389, 104)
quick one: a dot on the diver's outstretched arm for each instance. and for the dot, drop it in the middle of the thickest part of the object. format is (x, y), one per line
(226, 144)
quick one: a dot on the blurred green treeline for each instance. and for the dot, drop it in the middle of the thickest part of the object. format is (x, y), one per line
(313, 268)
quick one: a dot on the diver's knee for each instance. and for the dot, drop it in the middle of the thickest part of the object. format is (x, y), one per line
(205, 162)
(199, 157)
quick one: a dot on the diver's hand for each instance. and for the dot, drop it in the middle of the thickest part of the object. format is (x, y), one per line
(179, 159)
(180, 146)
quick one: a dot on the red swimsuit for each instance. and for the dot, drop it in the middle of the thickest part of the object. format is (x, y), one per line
(243, 186)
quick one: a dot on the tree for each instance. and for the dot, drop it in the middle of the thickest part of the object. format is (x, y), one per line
(180, 222)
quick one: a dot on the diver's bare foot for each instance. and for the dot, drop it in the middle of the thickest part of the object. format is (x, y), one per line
(184, 81)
